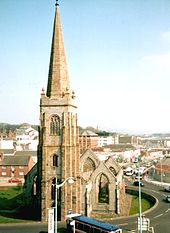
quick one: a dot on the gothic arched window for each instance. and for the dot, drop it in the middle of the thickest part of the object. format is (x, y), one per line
(103, 196)
(88, 168)
(89, 165)
(55, 125)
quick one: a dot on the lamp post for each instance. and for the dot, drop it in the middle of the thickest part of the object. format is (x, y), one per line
(140, 205)
(69, 180)
(161, 171)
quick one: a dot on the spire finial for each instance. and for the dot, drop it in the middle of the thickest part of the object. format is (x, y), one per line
(57, 4)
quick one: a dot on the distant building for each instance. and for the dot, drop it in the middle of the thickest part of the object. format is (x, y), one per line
(161, 171)
(167, 142)
(9, 155)
(31, 153)
(26, 138)
(15, 166)
(88, 139)
(6, 144)
(128, 139)
(106, 140)
(4, 152)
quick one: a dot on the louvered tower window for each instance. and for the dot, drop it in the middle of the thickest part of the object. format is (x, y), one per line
(55, 125)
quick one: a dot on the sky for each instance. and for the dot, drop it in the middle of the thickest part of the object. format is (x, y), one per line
(118, 56)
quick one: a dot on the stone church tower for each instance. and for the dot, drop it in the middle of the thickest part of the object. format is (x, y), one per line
(58, 151)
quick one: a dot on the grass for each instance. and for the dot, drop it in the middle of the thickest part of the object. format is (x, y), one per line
(11, 209)
(10, 197)
(10, 220)
(135, 205)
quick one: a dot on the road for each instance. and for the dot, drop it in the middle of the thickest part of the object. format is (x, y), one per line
(34, 227)
(159, 217)
(23, 228)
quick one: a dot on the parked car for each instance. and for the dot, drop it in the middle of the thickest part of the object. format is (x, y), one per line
(14, 180)
(136, 183)
(128, 171)
(167, 198)
(167, 188)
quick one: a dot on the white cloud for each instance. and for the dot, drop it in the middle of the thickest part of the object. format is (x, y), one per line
(166, 36)
(161, 60)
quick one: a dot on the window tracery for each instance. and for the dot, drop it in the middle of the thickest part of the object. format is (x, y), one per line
(88, 168)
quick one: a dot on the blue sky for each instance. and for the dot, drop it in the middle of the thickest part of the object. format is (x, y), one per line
(118, 55)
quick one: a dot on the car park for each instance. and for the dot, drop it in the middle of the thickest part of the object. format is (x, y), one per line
(137, 183)
(14, 180)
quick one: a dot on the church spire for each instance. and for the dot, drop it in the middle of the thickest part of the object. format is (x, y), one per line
(58, 80)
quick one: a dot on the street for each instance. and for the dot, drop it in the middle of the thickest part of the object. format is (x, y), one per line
(158, 215)
(31, 227)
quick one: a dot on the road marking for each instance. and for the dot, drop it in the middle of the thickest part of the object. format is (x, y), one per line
(123, 224)
(167, 210)
(158, 216)
(132, 231)
(155, 191)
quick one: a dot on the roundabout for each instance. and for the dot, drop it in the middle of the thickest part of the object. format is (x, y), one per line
(158, 214)
(148, 201)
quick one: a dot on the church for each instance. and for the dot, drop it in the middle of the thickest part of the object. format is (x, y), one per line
(98, 185)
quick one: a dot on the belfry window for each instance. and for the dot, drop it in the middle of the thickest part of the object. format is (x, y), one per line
(55, 125)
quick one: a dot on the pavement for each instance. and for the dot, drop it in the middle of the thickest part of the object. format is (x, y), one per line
(4, 182)
(158, 183)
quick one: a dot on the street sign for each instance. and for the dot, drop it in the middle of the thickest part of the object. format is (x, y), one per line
(145, 222)
(51, 220)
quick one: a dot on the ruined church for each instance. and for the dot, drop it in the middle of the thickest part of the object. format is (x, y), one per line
(98, 185)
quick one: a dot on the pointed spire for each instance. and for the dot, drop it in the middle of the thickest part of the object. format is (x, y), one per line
(58, 80)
